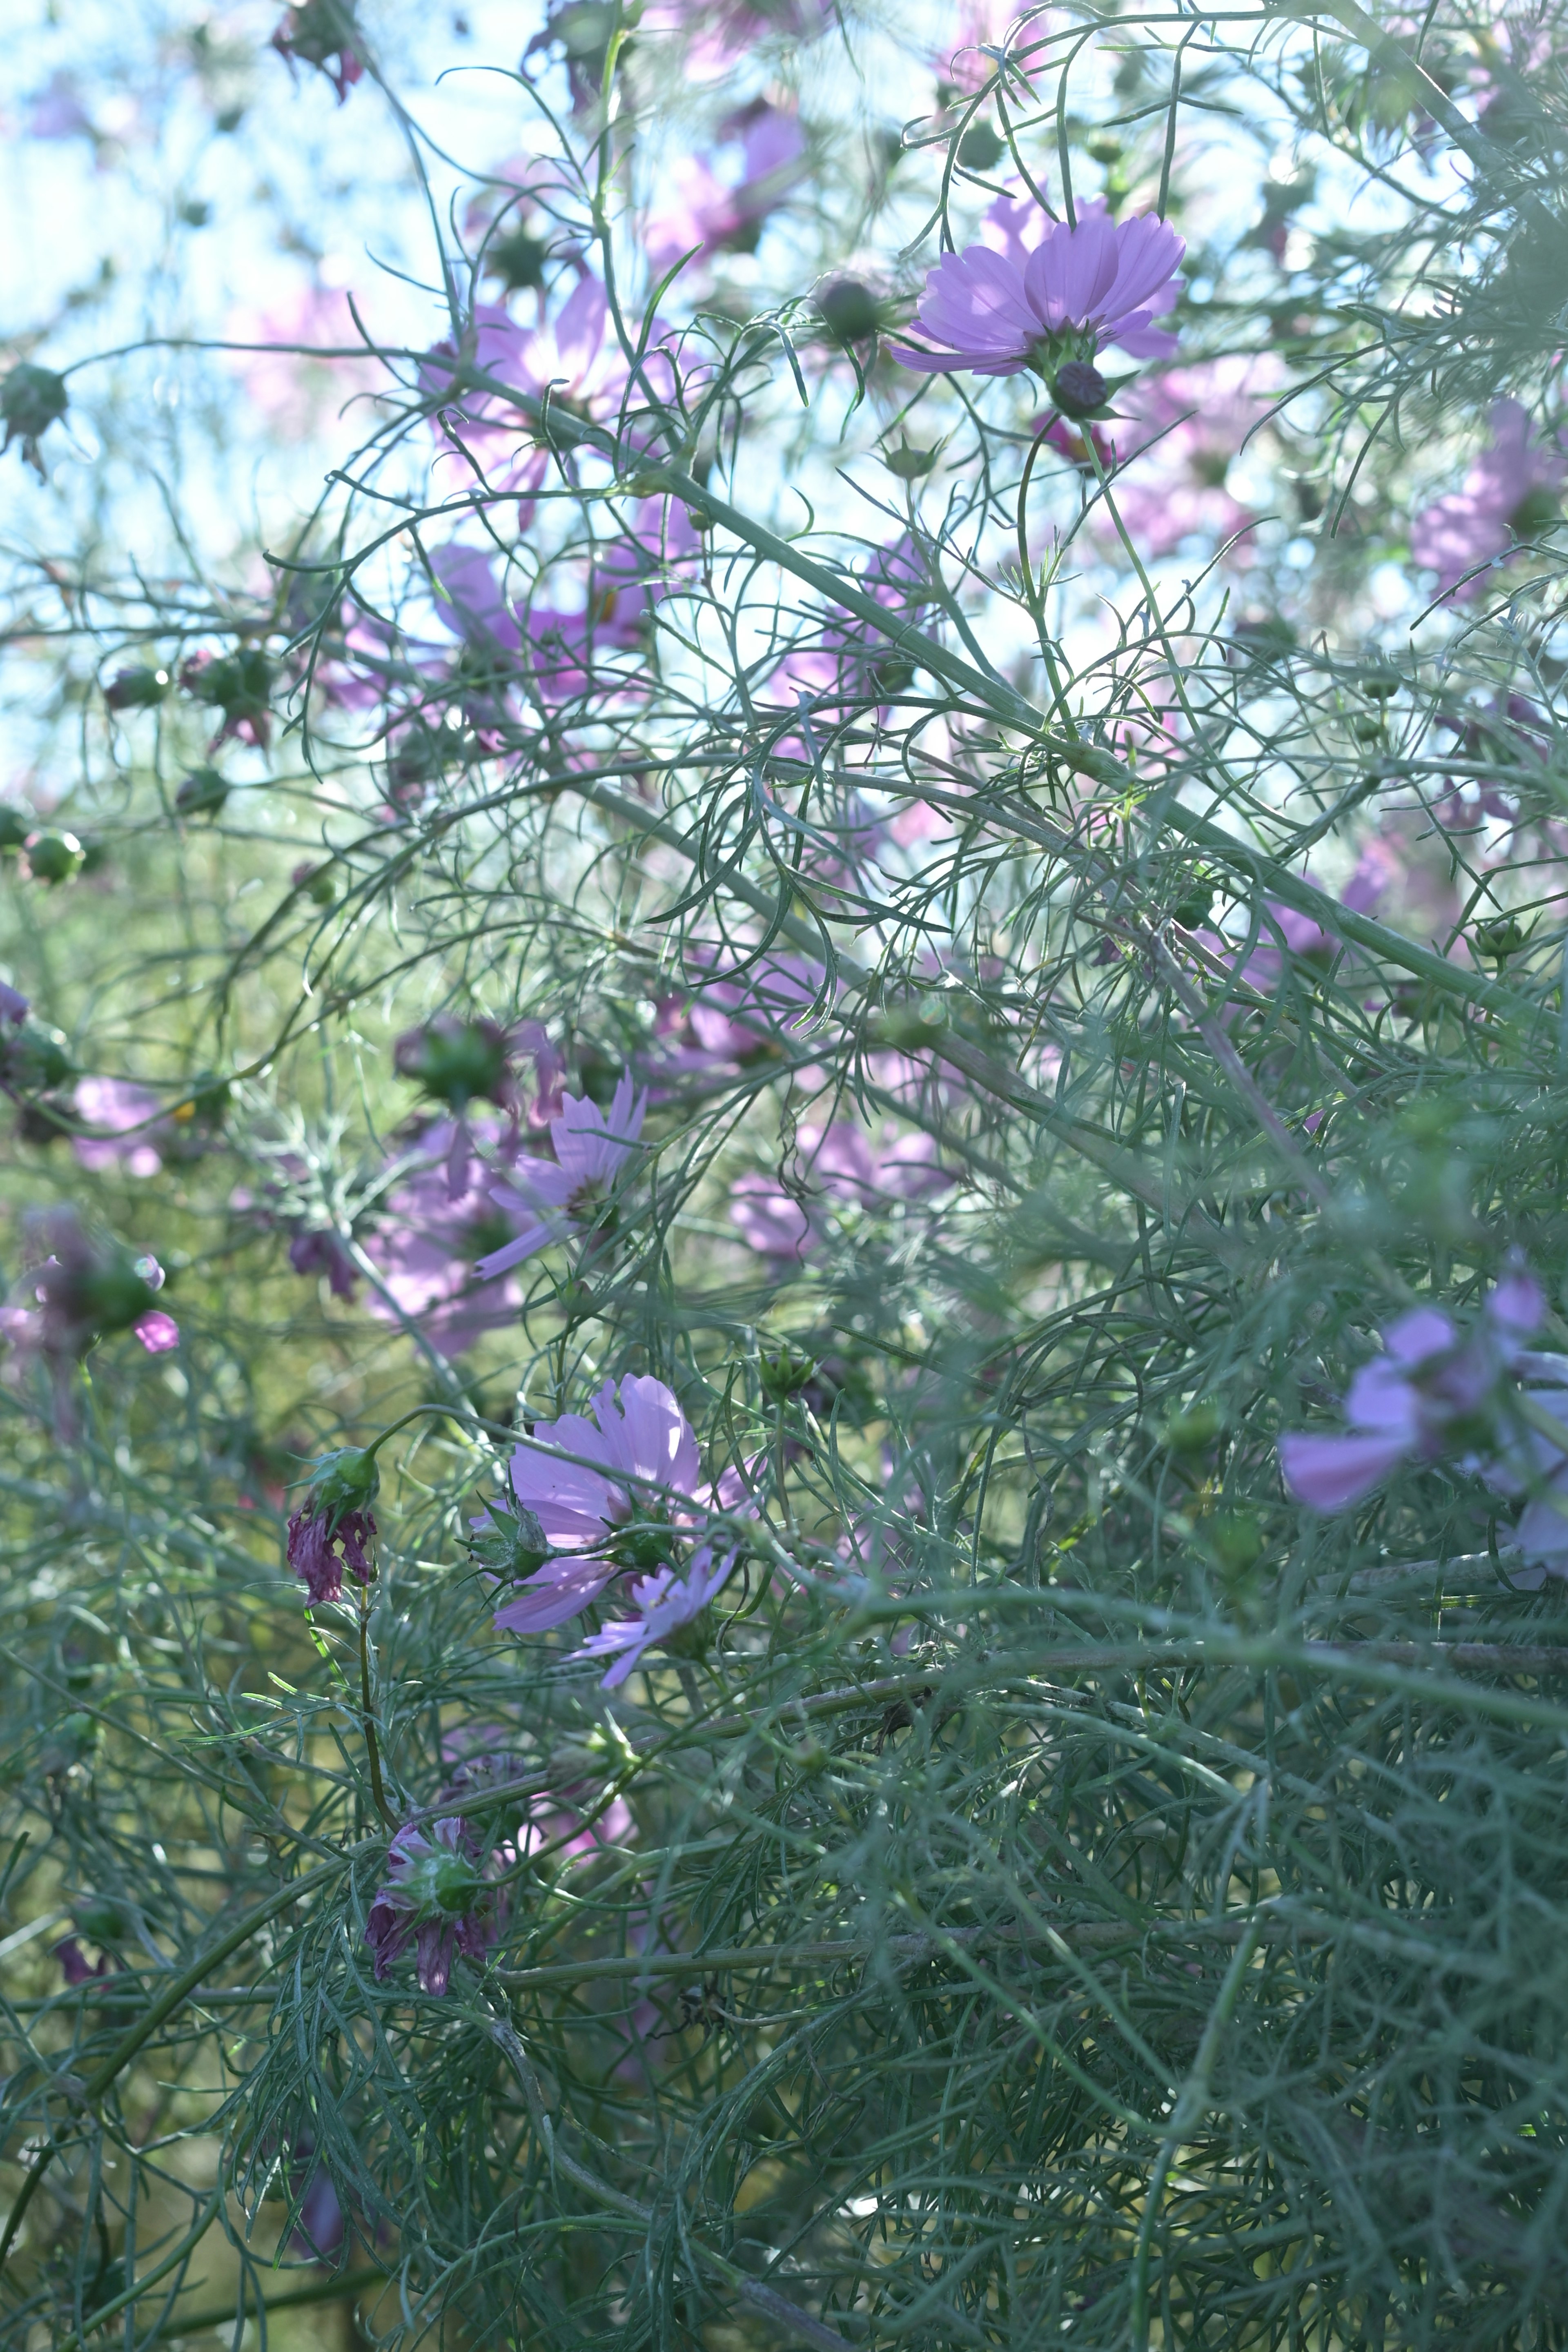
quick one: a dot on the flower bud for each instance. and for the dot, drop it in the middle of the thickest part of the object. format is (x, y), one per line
(203, 794)
(458, 1061)
(53, 856)
(1079, 389)
(136, 689)
(346, 1480)
(31, 399)
(849, 310)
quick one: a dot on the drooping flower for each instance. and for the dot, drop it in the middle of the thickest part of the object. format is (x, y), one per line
(317, 1251)
(334, 1527)
(1102, 282)
(573, 1194)
(317, 32)
(1430, 1392)
(1510, 494)
(629, 1500)
(437, 1897)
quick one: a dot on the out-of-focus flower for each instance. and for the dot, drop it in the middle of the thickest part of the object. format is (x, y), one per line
(1103, 282)
(239, 685)
(573, 1192)
(628, 1502)
(321, 33)
(568, 356)
(291, 381)
(319, 1251)
(430, 1238)
(56, 112)
(318, 2234)
(1510, 494)
(14, 1005)
(334, 1527)
(31, 399)
(706, 214)
(134, 1118)
(1175, 455)
(457, 1062)
(437, 1897)
(85, 1290)
(840, 1167)
(75, 1964)
(1508, 733)
(1430, 1392)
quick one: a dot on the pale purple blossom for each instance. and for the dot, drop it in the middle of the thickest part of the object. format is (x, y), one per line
(554, 1199)
(430, 1237)
(621, 1505)
(1175, 454)
(667, 1607)
(1080, 288)
(1429, 1391)
(132, 1117)
(839, 1166)
(437, 1897)
(1510, 494)
(707, 212)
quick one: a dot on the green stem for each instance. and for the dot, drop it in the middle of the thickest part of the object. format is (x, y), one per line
(1190, 2102)
(372, 1751)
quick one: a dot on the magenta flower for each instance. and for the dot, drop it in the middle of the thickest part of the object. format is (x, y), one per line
(322, 1545)
(1510, 494)
(709, 213)
(571, 1194)
(317, 1251)
(625, 1504)
(437, 1898)
(570, 356)
(1103, 282)
(1430, 1392)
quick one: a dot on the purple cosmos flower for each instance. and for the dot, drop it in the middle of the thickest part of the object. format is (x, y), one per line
(12, 1004)
(1103, 282)
(1427, 1393)
(1185, 429)
(437, 1898)
(335, 1512)
(668, 1607)
(74, 1963)
(570, 1194)
(430, 1237)
(1510, 494)
(709, 213)
(628, 1513)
